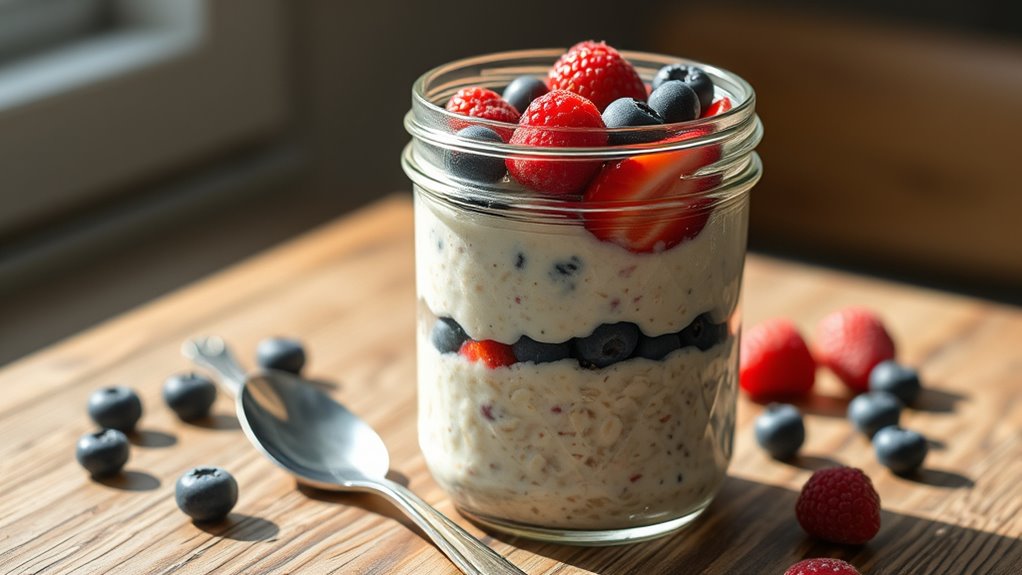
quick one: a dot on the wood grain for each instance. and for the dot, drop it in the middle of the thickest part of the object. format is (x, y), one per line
(347, 290)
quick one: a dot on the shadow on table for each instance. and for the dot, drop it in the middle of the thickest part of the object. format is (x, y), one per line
(131, 481)
(937, 400)
(756, 532)
(218, 421)
(241, 527)
(369, 502)
(151, 438)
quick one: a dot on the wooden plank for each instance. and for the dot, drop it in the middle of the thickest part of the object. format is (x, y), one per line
(347, 290)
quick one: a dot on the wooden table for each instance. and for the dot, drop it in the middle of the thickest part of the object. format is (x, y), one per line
(347, 290)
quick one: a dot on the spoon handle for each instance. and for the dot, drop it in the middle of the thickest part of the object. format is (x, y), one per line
(212, 352)
(471, 555)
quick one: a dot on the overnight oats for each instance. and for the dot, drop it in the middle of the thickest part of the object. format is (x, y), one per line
(580, 226)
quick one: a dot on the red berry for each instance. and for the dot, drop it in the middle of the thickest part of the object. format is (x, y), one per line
(482, 103)
(851, 342)
(598, 72)
(719, 107)
(775, 361)
(839, 505)
(557, 109)
(492, 353)
(641, 181)
(822, 566)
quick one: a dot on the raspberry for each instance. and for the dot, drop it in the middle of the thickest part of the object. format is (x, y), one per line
(492, 353)
(839, 505)
(775, 361)
(851, 342)
(598, 72)
(482, 103)
(822, 566)
(557, 109)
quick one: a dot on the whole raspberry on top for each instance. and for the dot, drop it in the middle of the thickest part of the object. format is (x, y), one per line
(539, 127)
(775, 361)
(839, 505)
(851, 342)
(598, 72)
(482, 103)
(822, 566)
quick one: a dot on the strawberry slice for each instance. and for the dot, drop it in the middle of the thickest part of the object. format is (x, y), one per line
(642, 181)
(492, 353)
(719, 107)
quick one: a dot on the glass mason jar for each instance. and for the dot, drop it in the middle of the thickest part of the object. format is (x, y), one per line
(578, 353)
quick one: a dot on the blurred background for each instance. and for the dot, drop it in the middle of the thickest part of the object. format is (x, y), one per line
(147, 143)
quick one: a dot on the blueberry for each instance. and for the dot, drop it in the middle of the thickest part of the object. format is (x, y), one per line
(281, 353)
(447, 336)
(565, 272)
(892, 377)
(190, 395)
(873, 410)
(476, 167)
(900, 450)
(528, 349)
(780, 430)
(695, 77)
(657, 348)
(206, 493)
(629, 112)
(103, 453)
(115, 408)
(675, 101)
(608, 344)
(703, 333)
(523, 90)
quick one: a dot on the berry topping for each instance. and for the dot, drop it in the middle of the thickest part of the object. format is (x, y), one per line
(476, 167)
(780, 430)
(657, 348)
(632, 187)
(115, 408)
(696, 79)
(851, 342)
(557, 109)
(608, 344)
(626, 112)
(598, 72)
(822, 566)
(675, 101)
(492, 353)
(892, 377)
(282, 354)
(190, 395)
(103, 453)
(482, 103)
(523, 90)
(839, 505)
(702, 333)
(447, 336)
(719, 107)
(206, 493)
(900, 450)
(874, 410)
(775, 361)
(528, 349)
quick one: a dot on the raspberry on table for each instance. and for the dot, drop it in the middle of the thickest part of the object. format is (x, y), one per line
(822, 566)
(851, 342)
(839, 505)
(598, 72)
(775, 361)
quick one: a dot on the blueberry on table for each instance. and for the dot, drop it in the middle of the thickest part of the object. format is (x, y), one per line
(628, 113)
(528, 349)
(675, 101)
(103, 453)
(206, 493)
(190, 395)
(523, 90)
(115, 407)
(900, 450)
(780, 430)
(476, 167)
(900, 380)
(281, 353)
(607, 345)
(696, 79)
(874, 410)
(657, 348)
(447, 336)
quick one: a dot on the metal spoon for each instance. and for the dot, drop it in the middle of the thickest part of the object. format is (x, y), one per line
(324, 445)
